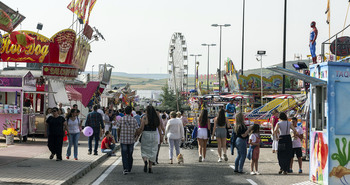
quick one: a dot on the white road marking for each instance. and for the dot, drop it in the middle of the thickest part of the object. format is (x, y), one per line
(109, 170)
(252, 182)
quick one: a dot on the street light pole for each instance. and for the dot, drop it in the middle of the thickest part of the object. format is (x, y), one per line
(284, 46)
(195, 61)
(261, 53)
(92, 72)
(208, 64)
(243, 36)
(220, 25)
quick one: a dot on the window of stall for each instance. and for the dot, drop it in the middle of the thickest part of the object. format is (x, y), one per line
(318, 108)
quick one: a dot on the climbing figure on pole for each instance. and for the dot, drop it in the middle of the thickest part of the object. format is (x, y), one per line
(312, 44)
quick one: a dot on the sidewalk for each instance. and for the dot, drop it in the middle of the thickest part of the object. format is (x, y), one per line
(29, 163)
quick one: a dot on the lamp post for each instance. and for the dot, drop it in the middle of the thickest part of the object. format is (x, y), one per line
(284, 46)
(220, 25)
(92, 72)
(208, 64)
(195, 60)
(243, 37)
(261, 53)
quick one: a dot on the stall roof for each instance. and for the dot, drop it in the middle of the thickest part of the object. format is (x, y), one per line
(294, 74)
(88, 92)
(61, 95)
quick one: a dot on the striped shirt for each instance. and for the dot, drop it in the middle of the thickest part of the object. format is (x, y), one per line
(128, 126)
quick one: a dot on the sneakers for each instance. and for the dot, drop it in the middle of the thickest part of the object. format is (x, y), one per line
(125, 172)
(220, 160)
(95, 153)
(225, 157)
(290, 171)
(76, 159)
(200, 159)
(300, 171)
(203, 159)
(257, 173)
(252, 173)
(89, 152)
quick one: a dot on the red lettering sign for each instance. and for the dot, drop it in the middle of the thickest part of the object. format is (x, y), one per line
(58, 49)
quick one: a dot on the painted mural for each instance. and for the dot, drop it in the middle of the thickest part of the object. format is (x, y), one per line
(340, 173)
(318, 157)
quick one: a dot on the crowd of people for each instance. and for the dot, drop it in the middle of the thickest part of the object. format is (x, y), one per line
(153, 128)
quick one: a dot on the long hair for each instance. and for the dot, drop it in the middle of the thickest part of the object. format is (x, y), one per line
(70, 114)
(239, 122)
(203, 118)
(221, 119)
(152, 117)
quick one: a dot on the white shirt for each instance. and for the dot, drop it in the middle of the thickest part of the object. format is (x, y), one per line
(174, 129)
(73, 126)
(102, 113)
(296, 141)
(253, 138)
(283, 127)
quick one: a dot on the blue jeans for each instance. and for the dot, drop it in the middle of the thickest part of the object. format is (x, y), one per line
(73, 140)
(114, 134)
(127, 150)
(241, 145)
(95, 135)
(109, 151)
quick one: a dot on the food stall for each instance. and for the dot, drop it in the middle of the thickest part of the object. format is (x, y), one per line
(13, 104)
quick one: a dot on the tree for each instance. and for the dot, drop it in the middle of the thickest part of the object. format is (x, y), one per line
(169, 98)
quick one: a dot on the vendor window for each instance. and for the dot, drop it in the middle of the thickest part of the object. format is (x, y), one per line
(319, 101)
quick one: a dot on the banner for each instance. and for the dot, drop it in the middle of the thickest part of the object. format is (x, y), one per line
(60, 71)
(81, 53)
(10, 82)
(9, 19)
(58, 49)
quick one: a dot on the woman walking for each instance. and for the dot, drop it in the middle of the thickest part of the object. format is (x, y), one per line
(275, 135)
(220, 125)
(149, 140)
(241, 131)
(74, 133)
(202, 135)
(175, 133)
(164, 122)
(56, 125)
(285, 148)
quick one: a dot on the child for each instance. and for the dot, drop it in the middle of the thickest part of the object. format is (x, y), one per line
(108, 144)
(114, 127)
(254, 140)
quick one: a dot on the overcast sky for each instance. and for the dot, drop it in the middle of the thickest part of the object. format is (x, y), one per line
(138, 32)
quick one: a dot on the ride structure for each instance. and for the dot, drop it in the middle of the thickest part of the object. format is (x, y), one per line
(178, 63)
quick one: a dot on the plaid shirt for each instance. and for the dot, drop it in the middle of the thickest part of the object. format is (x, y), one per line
(127, 126)
(94, 120)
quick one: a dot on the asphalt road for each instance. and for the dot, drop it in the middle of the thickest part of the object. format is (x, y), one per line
(194, 172)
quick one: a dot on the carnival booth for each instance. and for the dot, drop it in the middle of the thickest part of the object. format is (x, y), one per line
(18, 103)
(330, 132)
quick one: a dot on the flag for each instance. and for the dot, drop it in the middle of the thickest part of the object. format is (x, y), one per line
(71, 6)
(328, 12)
(92, 4)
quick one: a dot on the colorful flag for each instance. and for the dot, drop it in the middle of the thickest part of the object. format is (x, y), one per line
(328, 12)
(92, 4)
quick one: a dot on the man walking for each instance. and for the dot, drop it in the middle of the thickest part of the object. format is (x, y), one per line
(296, 145)
(127, 134)
(95, 121)
(230, 109)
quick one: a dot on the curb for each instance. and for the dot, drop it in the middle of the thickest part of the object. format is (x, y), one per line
(79, 174)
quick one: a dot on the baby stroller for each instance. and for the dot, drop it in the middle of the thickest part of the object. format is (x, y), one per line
(191, 137)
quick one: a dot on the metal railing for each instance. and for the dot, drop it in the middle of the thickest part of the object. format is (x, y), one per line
(335, 47)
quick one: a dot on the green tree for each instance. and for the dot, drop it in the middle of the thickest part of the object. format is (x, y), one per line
(169, 98)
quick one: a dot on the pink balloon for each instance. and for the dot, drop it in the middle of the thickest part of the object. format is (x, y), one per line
(118, 117)
(88, 131)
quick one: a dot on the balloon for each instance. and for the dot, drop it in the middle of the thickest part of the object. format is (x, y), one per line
(88, 131)
(118, 117)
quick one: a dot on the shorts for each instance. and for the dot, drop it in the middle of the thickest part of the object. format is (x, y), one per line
(297, 152)
(202, 133)
(221, 132)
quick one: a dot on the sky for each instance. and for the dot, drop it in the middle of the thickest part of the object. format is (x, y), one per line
(138, 32)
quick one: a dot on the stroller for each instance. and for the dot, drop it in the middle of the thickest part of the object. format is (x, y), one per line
(191, 137)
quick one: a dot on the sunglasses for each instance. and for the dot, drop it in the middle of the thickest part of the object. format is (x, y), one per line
(54, 111)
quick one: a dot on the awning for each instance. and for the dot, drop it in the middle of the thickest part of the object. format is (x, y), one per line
(61, 94)
(89, 92)
(73, 94)
(294, 74)
(235, 96)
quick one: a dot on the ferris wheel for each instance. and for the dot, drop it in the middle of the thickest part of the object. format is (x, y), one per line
(177, 63)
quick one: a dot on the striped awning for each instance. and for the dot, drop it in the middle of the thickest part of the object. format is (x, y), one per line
(73, 94)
